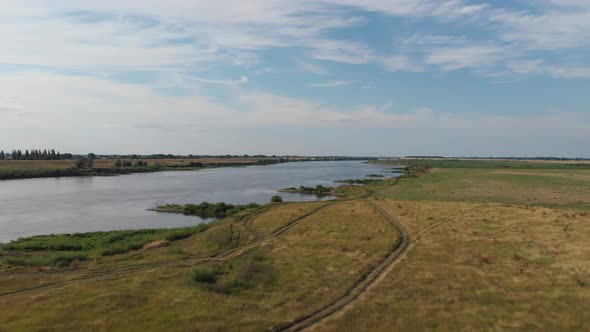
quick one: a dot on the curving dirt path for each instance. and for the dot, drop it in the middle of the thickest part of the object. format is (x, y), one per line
(348, 306)
(348, 299)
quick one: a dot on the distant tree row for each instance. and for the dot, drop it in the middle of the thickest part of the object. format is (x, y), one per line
(35, 154)
(127, 163)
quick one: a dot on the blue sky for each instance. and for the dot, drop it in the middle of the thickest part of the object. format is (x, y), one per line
(374, 77)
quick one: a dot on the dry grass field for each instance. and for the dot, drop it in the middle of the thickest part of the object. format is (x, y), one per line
(491, 248)
(484, 267)
(12, 165)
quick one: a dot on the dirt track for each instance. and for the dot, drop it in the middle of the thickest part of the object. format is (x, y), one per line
(360, 287)
(339, 305)
(117, 273)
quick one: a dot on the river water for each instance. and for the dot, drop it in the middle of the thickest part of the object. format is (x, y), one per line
(83, 204)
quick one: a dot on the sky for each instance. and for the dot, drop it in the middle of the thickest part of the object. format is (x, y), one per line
(321, 77)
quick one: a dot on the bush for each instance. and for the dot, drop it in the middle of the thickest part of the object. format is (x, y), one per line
(204, 274)
(211, 210)
(58, 260)
(276, 199)
(254, 271)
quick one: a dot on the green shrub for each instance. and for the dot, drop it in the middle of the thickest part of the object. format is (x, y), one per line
(276, 199)
(204, 274)
(56, 260)
(210, 210)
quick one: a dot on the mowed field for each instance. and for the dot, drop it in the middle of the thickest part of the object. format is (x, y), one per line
(490, 248)
(522, 183)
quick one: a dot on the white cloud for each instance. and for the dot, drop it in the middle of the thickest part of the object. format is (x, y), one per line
(555, 29)
(440, 8)
(183, 41)
(331, 84)
(469, 56)
(401, 63)
(111, 35)
(241, 80)
(106, 116)
(55, 101)
(311, 67)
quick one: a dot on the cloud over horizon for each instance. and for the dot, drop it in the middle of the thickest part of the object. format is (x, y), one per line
(177, 70)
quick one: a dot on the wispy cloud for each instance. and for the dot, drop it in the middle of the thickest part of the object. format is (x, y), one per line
(241, 80)
(106, 35)
(331, 84)
(311, 67)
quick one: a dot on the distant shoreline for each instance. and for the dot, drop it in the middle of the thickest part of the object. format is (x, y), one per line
(32, 169)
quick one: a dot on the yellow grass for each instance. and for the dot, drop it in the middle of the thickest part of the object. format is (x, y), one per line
(490, 267)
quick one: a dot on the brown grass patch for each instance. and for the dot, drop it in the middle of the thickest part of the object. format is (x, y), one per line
(492, 267)
(156, 244)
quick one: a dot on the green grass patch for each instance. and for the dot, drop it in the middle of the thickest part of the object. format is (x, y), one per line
(501, 164)
(206, 209)
(60, 250)
(318, 190)
(556, 188)
(241, 273)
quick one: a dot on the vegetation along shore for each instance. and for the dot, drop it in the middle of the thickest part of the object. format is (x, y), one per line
(38, 163)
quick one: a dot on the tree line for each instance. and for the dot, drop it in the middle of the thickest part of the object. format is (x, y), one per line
(35, 154)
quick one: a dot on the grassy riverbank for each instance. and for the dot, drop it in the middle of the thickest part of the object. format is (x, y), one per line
(23, 169)
(490, 248)
(62, 250)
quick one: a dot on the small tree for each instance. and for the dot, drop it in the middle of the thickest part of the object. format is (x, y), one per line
(276, 199)
(118, 163)
(81, 163)
(90, 160)
(84, 163)
(2, 155)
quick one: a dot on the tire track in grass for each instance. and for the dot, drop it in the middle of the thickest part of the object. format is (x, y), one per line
(113, 274)
(350, 304)
(361, 286)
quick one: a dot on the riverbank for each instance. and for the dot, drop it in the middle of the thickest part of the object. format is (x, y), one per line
(28, 169)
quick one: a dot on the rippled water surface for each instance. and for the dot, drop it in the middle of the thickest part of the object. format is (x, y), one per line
(81, 204)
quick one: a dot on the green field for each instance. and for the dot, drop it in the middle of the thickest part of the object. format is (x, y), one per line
(532, 183)
(461, 246)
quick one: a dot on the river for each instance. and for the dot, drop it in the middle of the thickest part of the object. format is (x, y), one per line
(83, 204)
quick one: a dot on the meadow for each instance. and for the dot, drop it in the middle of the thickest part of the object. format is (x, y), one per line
(461, 245)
